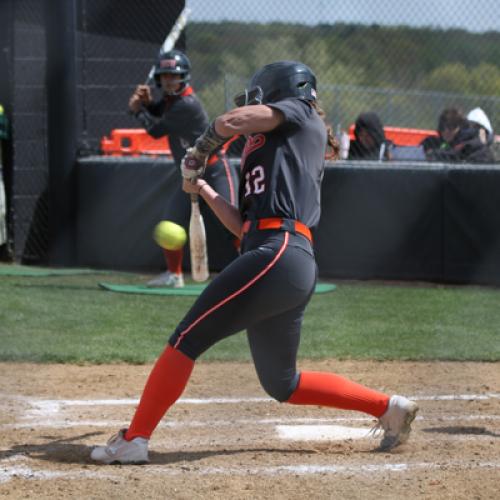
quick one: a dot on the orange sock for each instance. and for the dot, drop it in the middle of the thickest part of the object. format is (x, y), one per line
(173, 259)
(164, 387)
(329, 389)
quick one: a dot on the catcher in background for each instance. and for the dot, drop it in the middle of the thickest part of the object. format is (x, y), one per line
(267, 288)
(180, 115)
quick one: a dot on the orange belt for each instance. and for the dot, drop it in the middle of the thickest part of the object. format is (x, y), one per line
(277, 223)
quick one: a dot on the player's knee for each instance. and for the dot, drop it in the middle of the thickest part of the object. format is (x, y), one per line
(190, 349)
(279, 389)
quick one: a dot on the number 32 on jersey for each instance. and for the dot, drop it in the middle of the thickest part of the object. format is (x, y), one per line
(255, 181)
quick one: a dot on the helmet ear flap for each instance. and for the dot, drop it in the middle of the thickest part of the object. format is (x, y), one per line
(307, 91)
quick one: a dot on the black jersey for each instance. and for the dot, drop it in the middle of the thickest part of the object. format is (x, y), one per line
(282, 170)
(180, 117)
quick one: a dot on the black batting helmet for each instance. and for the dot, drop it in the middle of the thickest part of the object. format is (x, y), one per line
(173, 62)
(277, 81)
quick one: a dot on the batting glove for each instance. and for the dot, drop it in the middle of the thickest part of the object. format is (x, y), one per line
(193, 164)
(209, 141)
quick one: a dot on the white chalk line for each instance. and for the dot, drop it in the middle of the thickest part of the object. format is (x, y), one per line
(308, 469)
(9, 468)
(7, 471)
(49, 413)
(48, 403)
(46, 407)
(63, 422)
(50, 408)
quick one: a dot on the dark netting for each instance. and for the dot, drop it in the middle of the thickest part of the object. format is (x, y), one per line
(405, 64)
(118, 42)
(29, 201)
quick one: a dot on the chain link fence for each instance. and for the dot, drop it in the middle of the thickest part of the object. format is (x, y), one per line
(405, 61)
(119, 42)
(406, 64)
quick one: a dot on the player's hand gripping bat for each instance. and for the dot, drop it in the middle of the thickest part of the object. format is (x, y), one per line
(172, 37)
(197, 242)
(192, 167)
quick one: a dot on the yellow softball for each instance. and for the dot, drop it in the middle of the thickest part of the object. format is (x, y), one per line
(169, 235)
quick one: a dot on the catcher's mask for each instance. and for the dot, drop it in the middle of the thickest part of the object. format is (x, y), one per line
(277, 81)
(173, 62)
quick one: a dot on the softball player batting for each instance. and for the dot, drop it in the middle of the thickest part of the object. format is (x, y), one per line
(180, 115)
(266, 289)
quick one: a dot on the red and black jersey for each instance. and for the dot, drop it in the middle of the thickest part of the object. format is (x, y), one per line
(282, 170)
(181, 117)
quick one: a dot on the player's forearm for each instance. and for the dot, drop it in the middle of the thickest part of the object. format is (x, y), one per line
(154, 126)
(245, 120)
(225, 212)
(248, 120)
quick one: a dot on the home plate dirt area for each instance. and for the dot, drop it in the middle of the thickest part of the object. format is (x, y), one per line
(226, 439)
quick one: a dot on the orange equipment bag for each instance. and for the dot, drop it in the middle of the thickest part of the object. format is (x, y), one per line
(134, 142)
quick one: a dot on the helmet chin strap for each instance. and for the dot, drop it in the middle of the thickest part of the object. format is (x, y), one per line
(176, 92)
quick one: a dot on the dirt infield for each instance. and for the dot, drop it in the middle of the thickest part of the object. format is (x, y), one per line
(226, 439)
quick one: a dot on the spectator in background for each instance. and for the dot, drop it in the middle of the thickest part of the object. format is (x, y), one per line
(370, 142)
(180, 115)
(478, 119)
(459, 140)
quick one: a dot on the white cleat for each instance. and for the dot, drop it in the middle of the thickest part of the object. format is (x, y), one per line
(396, 422)
(120, 451)
(167, 280)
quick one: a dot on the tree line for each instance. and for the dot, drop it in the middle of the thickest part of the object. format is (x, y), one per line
(386, 68)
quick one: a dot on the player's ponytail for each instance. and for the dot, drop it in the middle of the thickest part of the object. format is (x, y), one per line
(334, 147)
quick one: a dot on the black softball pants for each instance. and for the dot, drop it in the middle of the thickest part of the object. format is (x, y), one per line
(265, 291)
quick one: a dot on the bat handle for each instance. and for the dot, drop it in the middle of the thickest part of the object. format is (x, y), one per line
(194, 196)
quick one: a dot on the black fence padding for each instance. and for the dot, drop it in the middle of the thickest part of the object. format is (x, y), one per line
(28, 170)
(421, 222)
(472, 225)
(380, 222)
(119, 204)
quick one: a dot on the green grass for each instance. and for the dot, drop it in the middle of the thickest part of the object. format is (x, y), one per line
(68, 319)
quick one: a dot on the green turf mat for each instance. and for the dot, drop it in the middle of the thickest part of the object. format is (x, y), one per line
(324, 287)
(189, 289)
(14, 270)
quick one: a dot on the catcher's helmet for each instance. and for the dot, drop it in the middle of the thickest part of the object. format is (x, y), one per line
(277, 81)
(173, 62)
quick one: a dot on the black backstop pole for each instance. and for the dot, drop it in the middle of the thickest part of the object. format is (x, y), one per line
(60, 23)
